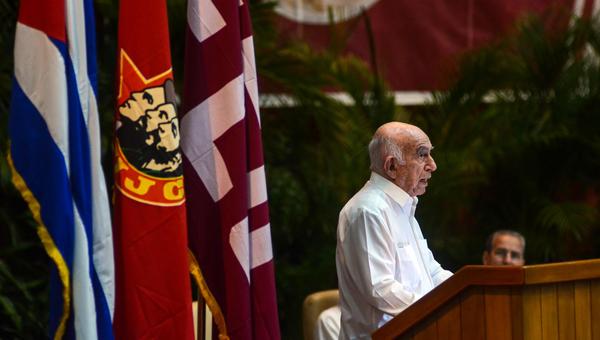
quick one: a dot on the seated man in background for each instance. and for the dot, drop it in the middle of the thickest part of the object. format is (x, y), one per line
(504, 247)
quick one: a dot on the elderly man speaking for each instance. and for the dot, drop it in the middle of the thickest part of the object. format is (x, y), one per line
(383, 262)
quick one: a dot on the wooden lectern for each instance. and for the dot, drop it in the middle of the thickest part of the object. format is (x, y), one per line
(550, 301)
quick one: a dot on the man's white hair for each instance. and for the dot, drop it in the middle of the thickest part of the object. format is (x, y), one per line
(380, 148)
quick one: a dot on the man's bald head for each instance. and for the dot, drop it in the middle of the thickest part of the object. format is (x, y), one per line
(399, 129)
(389, 140)
(400, 152)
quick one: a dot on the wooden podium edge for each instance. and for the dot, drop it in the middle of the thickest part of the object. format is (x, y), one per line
(562, 271)
(467, 276)
(487, 276)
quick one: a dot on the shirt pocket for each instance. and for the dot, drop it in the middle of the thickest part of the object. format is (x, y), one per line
(407, 272)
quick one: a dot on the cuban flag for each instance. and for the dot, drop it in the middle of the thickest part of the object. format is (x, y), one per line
(55, 158)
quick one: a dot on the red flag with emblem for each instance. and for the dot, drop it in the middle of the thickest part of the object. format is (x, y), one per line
(228, 216)
(153, 294)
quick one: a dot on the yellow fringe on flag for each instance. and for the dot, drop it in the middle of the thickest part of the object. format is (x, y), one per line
(210, 300)
(51, 249)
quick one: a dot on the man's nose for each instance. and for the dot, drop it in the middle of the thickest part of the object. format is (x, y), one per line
(431, 166)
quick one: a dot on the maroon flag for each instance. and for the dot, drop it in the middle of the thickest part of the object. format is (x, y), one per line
(228, 217)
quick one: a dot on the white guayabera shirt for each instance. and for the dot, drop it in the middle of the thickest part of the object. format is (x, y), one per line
(383, 262)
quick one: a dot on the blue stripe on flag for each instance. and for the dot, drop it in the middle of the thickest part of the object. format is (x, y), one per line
(99, 231)
(79, 148)
(81, 188)
(90, 35)
(41, 164)
(104, 319)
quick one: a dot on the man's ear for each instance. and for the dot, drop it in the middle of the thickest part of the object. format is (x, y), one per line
(485, 258)
(390, 167)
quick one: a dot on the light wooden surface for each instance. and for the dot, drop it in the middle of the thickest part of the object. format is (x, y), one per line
(595, 302)
(562, 272)
(516, 303)
(566, 311)
(547, 302)
(532, 313)
(582, 311)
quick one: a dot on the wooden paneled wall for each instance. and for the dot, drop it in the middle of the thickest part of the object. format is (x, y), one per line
(554, 311)
(560, 311)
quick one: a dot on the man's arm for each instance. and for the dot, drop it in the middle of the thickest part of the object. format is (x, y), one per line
(438, 274)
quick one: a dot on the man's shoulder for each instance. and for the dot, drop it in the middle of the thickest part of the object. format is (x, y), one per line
(367, 200)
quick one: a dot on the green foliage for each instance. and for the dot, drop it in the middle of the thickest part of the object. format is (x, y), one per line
(23, 279)
(518, 146)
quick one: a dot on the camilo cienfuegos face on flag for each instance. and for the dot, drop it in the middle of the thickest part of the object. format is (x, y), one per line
(153, 293)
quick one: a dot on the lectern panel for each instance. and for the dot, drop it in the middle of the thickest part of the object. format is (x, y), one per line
(448, 324)
(498, 325)
(472, 319)
(566, 311)
(532, 313)
(549, 300)
(555, 301)
(595, 312)
(583, 322)
(428, 331)
(516, 306)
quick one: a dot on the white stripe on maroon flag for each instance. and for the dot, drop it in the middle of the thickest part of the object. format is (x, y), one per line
(228, 216)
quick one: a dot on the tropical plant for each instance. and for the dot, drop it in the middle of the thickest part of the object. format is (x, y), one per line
(519, 142)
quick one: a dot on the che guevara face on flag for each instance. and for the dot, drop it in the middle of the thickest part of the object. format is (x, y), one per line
(148, 167)
(148, 131)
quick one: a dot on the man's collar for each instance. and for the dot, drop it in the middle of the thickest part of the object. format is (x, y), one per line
(394, 191)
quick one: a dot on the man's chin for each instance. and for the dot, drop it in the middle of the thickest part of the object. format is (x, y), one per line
(418, 191)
